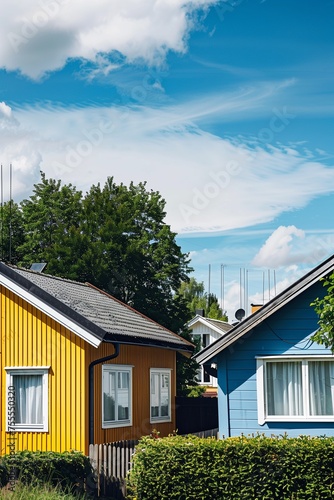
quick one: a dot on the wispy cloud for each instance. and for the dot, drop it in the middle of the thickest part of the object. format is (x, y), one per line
(211, 184)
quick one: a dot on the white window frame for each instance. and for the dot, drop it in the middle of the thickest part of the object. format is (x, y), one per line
(111, 424)
(11, 371)
(160, 372)
(261, 390)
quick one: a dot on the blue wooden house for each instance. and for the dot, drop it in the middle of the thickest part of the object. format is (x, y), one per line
(272, 378)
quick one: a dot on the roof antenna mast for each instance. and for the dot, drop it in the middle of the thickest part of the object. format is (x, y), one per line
(10, 212)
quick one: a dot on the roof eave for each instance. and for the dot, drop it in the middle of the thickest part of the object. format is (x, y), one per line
(51, 306)
(149, 342)
(267, 310)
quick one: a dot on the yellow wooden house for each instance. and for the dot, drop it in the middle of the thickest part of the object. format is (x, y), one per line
(77, 366)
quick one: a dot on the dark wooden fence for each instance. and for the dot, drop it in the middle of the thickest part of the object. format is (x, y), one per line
(196, 414)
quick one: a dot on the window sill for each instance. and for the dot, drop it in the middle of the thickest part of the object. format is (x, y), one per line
(160, 420)
(12, 429)
(115, 425)
(299, 419)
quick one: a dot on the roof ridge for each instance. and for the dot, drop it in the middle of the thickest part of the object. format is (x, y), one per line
(46, 275)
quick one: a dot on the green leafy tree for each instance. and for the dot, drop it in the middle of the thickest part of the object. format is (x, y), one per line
(196, 298)
(132, 252)
(324, 307)
(49, 217)
(12, 232)
(114, 237)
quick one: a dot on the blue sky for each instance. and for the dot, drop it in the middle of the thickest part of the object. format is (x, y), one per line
(226, 108)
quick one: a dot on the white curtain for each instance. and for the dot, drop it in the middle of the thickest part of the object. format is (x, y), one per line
(321, 378)
(155, 402)
(164, 398)
(284, 388)
(28, 399)
(109, 395)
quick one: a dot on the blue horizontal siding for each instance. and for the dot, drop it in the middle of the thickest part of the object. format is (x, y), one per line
(244, 404)
(286, 332)
(244, 392)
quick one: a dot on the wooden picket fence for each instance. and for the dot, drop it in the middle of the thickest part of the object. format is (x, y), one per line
(112, 461)
(205, 434)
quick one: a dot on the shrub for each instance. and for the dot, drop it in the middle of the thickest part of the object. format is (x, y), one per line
(69, 470)
(195, 391)
(3, 475)
(243, 468)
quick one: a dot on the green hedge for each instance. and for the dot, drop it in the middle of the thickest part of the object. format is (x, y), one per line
(69, 470)
(249, 468)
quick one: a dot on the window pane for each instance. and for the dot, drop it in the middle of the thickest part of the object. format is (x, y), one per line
(123, 396)
(154, 395)
(284, 388)
(160, 395)
(199, 375)
(116, 395)
(321, 379)
(206, 340)
(206, 376)
(164, 399)
(28, 399)
(109, 395)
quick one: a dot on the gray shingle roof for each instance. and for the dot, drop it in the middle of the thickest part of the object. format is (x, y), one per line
(105, 316)
(222, 325)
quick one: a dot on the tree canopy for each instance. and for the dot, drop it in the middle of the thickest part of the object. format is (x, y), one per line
(196, 298)
(115, 237)
(324, 307)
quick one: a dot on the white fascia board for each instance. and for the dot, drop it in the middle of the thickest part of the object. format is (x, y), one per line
(201, 319)
(50, 311)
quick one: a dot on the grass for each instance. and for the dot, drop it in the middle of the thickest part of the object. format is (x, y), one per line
(37, 492)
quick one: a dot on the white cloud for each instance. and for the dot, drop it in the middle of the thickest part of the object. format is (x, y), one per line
(210, 183)
(5, 111)
(40, 37)
(289, 246)
(277, 249)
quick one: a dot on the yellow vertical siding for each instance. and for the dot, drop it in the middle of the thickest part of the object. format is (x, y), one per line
(30, 338)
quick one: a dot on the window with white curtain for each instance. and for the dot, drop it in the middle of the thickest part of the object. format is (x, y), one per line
(295, 389)
(160, 395)
(116, 396)
(28, 389)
